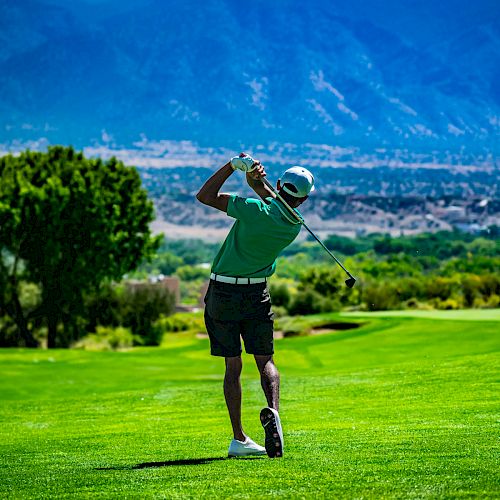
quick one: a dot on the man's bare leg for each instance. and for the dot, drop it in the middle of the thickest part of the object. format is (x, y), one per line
(269, 417)
(232, 393)
(269, 379)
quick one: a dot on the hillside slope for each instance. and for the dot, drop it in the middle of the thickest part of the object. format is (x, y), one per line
(420, 78)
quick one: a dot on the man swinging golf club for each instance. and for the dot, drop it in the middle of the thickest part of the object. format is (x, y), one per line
(237, 301)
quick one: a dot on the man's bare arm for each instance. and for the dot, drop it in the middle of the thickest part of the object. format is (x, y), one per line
(209, 192)
(254, 181)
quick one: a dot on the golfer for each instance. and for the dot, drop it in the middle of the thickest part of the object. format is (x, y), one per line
(237, 302)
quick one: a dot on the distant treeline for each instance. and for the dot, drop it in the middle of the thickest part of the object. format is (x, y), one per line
(444, 270)
(442, 244)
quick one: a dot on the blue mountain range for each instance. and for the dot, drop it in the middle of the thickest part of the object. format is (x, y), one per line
(416, 75)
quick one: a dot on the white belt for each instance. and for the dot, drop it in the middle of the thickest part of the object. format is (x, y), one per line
(236, 281)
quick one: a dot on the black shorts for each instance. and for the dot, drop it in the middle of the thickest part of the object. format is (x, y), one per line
(234, 310)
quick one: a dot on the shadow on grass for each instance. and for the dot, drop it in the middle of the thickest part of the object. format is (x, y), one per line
(170, 463)
(187, 461)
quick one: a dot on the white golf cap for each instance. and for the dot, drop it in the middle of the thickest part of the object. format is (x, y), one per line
(300, 178)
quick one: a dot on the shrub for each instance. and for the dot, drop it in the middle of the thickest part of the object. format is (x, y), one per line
(492, 302)
(441, 287)
(191, 273)
(448, 304)
(190, 291)
(108, 339)
(305, 302)
(279, 311)
(9, 333)
(380, 297)
(280, 295)
(167, 263)
(409, 288)
(293, 327)
(310, 302)
(413, 303)
(103, 308)
(134, 307)
(30, 296)
(180, 322)
(142, 306)
(490, 284)
(324, 280)
(471, 289)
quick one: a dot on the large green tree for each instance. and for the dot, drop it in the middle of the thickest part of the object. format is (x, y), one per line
(67, 223)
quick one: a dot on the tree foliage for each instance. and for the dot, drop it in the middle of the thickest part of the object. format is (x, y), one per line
(67, 223)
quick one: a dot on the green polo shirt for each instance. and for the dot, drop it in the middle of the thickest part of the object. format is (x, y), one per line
(261, 231)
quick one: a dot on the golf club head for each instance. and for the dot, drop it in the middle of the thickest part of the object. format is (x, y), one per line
(350, 282)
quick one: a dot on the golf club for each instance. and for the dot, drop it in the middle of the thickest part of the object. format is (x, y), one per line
(351, 280)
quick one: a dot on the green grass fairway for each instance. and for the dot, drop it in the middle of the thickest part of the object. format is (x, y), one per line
(403, 407)
(462, 314)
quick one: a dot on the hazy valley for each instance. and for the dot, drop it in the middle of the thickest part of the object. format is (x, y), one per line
(349, 201)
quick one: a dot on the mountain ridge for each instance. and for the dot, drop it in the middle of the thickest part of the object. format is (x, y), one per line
(232, 72)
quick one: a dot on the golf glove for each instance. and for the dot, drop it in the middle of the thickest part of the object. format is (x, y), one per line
(245, 163)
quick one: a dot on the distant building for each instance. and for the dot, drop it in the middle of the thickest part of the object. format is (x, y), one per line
(473, 228)
(171, 283)
(455, 213)
(203, 292)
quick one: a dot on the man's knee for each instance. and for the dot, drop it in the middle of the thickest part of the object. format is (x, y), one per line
(233, 367)
(262, 361)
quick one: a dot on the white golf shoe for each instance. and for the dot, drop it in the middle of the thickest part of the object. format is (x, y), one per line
(271, 422)
(245, 448)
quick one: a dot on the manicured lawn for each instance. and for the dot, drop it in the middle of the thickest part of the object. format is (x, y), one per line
(403, 407)
(462, 314)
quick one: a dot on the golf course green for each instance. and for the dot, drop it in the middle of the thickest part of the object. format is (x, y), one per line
(405, 406)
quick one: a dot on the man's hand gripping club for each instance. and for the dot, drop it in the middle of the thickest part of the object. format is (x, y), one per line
(255, 174)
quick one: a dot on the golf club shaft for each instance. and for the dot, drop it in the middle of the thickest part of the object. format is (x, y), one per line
(301, 220)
